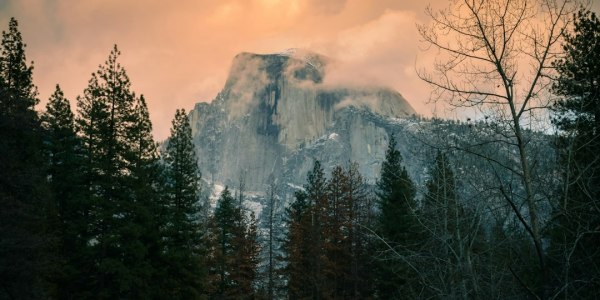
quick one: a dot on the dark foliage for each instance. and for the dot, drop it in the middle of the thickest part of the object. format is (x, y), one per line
(576, 231)
(397, 228)
(24, 233)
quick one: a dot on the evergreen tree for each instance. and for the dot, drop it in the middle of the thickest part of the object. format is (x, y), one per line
(110, 130)
(246, 250)
(297, 247)
(328, 251)
(183, 231)
(234, 251)
(440, 203)
(305, 244)
(147, 182)
(348, 251)
(222, 228)
(397, 226)
(316, 192)
(272, 241)
(63, 150)
(360, 244)
(182, 168)
(24, 235)
(577, 115)
(336, 236)
(19, 94)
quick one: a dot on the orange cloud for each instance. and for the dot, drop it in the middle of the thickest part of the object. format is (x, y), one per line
(179, 53)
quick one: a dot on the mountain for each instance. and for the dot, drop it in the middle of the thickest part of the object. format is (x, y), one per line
(275, 110)
(277, 114)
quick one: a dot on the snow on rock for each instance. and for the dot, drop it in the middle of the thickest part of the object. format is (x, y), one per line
(296, 187)
(254, 206)
(217, 189)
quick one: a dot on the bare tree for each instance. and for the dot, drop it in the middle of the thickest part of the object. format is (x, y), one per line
(496, 59)
(239, 194)
(452, 232)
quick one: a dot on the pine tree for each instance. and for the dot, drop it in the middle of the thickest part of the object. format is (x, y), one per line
(316, 192)
(328, 251)
(147, 182)
(19, 94)
(222, 227)
(110, 130)
(234, 250)
(183, 232)
(297, 247)
(24, 235)
(397, 226)
(360, 244)
(440, 203)
(577, 116)
(305, 244)
(246, 250)
(336, 233)
(63, 150)
(348, 251)
(182, 167)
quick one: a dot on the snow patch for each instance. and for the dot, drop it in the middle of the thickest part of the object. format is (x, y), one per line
(253, 206)
(297, 187)
(217, 189)
(308, 57)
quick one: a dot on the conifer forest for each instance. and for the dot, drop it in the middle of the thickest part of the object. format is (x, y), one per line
(504, 206)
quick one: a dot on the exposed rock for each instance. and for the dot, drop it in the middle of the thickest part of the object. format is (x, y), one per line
(275, 107)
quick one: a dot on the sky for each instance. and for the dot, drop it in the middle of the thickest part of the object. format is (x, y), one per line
(178, 53)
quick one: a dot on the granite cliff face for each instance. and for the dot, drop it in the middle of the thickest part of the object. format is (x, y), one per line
(277, 114)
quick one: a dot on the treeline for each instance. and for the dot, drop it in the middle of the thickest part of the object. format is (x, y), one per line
(347, 240)
(91, 208)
